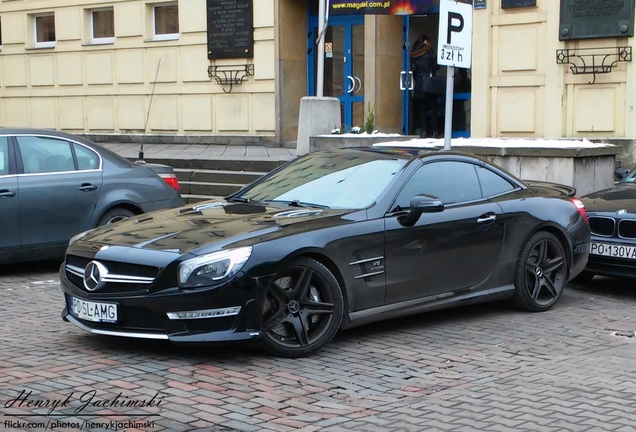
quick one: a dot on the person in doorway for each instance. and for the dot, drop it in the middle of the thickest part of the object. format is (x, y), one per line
(462, 85)
(424, 65)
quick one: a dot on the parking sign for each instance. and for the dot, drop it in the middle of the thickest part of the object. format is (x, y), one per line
(455, 38)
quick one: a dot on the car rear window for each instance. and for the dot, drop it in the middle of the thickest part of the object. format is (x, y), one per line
(45, 155)
(86, 158)
(4, 156)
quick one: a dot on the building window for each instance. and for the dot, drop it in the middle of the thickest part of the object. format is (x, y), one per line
(165, 21)
(102, 26)
(44, 26)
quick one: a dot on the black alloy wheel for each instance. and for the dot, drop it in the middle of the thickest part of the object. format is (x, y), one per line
(541, 274)
(302, 309)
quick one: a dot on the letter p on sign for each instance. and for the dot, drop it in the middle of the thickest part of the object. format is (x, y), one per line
(455, 38)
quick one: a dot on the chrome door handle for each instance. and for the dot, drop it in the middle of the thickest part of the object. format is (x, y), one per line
(6, 194)
(359, 81)
(486, 219)
(353, 84)
(402, 80)
(411, 81)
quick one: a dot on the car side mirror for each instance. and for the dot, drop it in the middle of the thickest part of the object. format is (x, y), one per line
(620, 174)
(421, 204)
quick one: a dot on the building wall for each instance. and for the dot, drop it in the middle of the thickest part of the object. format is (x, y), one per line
(524, 92)
(80, 87)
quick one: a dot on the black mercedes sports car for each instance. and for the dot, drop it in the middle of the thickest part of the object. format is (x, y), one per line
(329, 241)
(613, 223)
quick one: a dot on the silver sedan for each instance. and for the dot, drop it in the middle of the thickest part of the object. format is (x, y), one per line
(54, 185)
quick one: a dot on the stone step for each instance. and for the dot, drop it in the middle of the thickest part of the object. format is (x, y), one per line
(246, 165)
(217, 176)
(208, 189)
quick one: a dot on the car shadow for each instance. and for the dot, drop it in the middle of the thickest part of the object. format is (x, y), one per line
(616, 287)
(30, 268)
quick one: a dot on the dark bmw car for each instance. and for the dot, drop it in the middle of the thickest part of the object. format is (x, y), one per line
(331, 240)
(613, 223)
(54, 185)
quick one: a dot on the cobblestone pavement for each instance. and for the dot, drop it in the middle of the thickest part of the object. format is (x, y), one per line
(485, 368)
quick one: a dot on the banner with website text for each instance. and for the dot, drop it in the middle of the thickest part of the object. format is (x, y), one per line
(382, 7)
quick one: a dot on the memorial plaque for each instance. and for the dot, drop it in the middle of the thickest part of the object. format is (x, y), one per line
(509, 4)
(586, 19)
(230, 29)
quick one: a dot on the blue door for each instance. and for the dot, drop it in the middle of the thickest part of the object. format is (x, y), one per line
(344, 66)
(406, 77)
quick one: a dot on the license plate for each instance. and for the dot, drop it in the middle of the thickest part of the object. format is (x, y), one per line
(93, 311)
(612, 250)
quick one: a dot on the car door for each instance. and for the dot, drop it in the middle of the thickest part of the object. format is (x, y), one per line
(446, 251)
(59, 189)
(9, 196)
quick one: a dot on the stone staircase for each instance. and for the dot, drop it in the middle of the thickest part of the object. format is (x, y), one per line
(204, 179)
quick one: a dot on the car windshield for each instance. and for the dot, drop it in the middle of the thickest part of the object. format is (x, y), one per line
(330, 179)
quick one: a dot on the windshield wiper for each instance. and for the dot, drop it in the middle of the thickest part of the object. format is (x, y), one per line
(240, 199)
(297, 203)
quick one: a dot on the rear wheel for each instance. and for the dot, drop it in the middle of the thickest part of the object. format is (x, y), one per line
(114, 215)
(302, 309)
(542, 273)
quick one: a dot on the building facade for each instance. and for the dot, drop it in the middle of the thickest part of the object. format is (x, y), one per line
(145, 67)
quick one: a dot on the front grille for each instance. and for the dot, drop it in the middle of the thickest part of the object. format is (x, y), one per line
(602, 226)
(627, 228)
(121, 278)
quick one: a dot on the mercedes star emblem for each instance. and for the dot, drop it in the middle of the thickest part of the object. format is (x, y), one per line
(94, 274)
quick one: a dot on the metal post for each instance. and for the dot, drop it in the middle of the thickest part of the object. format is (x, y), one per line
(448, 110)
(320, 66)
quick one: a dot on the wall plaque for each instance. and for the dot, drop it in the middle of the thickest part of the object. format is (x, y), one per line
(585, 19)
(230, 29)
(509, 4)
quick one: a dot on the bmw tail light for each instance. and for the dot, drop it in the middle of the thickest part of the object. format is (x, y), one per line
(580, 207)
(171, 179)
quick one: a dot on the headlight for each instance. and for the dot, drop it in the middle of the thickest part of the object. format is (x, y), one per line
(212, 268)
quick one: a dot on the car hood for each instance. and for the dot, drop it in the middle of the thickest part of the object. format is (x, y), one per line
(210, 226)
(621, 196)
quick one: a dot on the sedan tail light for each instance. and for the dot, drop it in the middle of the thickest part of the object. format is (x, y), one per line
(171, 179)
(580, 207)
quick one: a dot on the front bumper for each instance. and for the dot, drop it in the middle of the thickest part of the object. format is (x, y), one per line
(608, 266)
(146, 315)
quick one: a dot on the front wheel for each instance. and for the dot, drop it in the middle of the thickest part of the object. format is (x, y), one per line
(302, 309)
(541, 274)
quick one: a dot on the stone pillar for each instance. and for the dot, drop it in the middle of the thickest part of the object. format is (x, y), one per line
(318, 116)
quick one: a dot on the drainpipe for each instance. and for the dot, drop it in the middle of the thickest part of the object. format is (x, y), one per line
(322, 30)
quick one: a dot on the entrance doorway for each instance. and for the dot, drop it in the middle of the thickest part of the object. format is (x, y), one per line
(344, 66)
(428, 25)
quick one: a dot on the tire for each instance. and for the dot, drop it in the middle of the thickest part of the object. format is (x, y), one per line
(114, 215)
(302, 309)
(584, 277)
(541, 273)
